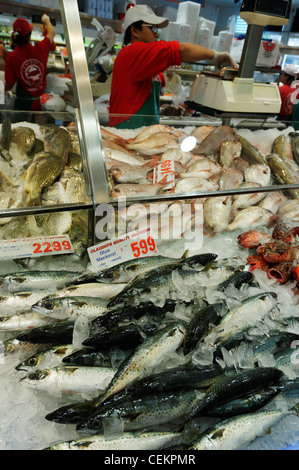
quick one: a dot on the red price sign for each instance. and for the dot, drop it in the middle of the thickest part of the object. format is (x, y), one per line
(141, 247)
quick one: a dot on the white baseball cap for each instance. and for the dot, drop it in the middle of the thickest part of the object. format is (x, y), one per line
(143, 13)
(291, 70)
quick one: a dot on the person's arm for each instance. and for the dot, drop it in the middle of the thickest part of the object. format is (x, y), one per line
(8, 87)
(50, 28)
(193, 52)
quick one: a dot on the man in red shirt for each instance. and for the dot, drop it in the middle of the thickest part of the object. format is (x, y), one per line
(26, 65)
(286, 90)
(133, 90)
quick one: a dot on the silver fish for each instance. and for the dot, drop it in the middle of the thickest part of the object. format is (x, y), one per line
(69, 379)
(23, 321)
(128, 441)
(37, 280)
(102, 290)
(126, 271)
(46, 359)
(229, 434)
(67, 308)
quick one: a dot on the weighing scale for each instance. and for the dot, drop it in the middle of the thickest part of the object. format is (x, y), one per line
(236, 91)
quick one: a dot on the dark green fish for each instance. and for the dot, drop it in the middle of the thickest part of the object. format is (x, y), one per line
(160, 277)
(246, 404)
(234, 385)
(56, 333)
(182, 377)
(135, 312)
(88, 357)
(145, 412)
(125, 336)
(200, 324)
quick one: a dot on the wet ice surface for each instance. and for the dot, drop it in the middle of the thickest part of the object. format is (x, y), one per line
(23, 425)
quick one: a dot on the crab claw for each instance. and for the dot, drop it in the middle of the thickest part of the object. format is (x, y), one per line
(253, 238)
(257, 262)
(282, 272)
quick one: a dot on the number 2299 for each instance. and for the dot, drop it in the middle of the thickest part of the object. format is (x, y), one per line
(47, 247)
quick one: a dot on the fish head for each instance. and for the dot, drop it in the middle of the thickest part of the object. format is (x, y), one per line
(91, 424)
(36, 377)
(30, 363)
(47, 304)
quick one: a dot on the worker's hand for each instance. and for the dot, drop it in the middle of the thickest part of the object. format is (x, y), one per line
(45, 18)
(222, 59)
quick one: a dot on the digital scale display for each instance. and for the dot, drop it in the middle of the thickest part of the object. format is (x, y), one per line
(280, 8)
(272, 8)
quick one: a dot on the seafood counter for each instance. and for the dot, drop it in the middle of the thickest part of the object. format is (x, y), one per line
(197, 352)
(186, 350)
(41, 165)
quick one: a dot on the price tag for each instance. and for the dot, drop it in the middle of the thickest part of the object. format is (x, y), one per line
(132, 245)
(34, 247)
(164, 173)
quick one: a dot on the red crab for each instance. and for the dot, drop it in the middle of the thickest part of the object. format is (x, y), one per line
(253, 238)
(296, 273)
(277, 251)
(282, 272)
(257, 262)
(285, 233)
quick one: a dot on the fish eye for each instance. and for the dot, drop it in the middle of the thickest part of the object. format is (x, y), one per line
(38, 375)
(32, 361)
(48, 304)
(94, 423)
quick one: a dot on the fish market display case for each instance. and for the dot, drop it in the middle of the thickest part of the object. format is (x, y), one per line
(185, 306)
(212, 276)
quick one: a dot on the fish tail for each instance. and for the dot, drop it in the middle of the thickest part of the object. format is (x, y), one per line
(295, 409)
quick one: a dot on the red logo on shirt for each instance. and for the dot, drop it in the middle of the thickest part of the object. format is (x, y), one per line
(32, 72)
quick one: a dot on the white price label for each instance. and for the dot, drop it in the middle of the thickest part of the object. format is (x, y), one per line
(164, 173)
(34, 247)
(132, 245)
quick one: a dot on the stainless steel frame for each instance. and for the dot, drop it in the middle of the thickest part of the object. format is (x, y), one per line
(84, 102)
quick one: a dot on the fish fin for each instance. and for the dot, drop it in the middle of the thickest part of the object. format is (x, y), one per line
(295, 409)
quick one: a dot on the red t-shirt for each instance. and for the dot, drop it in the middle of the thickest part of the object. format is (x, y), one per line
(133, 70)
(287, 101)
(27, 66)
